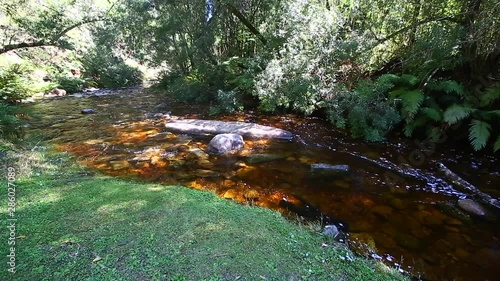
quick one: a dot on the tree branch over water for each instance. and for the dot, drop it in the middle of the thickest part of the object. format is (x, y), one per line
(53, 41)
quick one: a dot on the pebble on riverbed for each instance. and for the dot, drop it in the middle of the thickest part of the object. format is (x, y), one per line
(88, 111)
(472, 207)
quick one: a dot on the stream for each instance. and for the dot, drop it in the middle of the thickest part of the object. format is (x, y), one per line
(413, 223)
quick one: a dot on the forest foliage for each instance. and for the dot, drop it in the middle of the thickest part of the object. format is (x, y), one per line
(372, 67)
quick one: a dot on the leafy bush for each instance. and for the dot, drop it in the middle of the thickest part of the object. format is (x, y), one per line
(439, 104)
(14, 83)
(188, 88)
(227, 102)
(319, 55)
(109, 71)
(366, 111)
(72, 84)
(10, 123)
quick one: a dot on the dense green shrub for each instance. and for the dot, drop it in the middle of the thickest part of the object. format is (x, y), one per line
(187, 88)
(319, 56)
(365, 110)
(109, 71)
(14, 83)
(226, 102)
(10, 122)
(73, 84)
(434, 106)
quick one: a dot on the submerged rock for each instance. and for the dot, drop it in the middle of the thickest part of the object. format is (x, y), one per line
(230, 194)
(262, 158)
(88, 111)
(472, 207)
(251, 194)
(362, 244)
(225, 144)
(196, 153)
(327, 170)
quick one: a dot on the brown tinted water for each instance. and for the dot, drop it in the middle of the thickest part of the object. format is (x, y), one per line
(414, 225)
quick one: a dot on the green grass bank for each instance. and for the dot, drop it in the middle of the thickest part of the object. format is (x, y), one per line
(74, 224)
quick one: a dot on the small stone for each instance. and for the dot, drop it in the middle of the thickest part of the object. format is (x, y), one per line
(88, 111)
(207, 174)
(362, 243)
(382, 210)
(205, 164)
(397, 203)
(251, 194)
(331, 231)
(472, 207)
(230, 194)
(197, 153)
(119, 165)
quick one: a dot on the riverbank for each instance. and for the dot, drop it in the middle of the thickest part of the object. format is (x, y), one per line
(74, 224)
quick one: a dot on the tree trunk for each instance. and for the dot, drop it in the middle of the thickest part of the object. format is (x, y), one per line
(246, 22)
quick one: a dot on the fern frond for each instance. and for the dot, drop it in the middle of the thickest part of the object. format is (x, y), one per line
(412, 100)
(479, 133)
(496, 146)
(409, 79)
(386, 82)
(433, 113)
(448, 86)
(413, 124)
(490, 95)
(456, 113)
(433, 134)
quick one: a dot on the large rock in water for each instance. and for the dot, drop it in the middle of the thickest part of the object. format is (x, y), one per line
(251, 130)
(223, 144)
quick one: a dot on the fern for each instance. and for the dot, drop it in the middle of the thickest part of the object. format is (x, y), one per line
(448, 86)
(490, 95)
(433, 134)
(456, 113)
(496, 146)
(386, 82)
(412, 100)
(410, 80)
(479, 133)
(410, 127)
(432, 113)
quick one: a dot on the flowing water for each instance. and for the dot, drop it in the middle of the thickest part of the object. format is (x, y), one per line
(414, 224)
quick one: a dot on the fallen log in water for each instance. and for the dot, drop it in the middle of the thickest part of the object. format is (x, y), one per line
(465, 185)
(432, 181)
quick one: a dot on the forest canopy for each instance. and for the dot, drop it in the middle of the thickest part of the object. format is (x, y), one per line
(373, 67)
